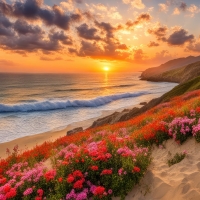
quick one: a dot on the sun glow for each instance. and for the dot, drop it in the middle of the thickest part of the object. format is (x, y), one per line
(106, 69)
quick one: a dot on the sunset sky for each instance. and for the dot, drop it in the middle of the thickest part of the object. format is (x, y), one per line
(88, 35)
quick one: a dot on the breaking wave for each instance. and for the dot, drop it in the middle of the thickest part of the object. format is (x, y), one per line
(63, 104)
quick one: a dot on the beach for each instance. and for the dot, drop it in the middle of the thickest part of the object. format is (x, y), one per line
(29, 142)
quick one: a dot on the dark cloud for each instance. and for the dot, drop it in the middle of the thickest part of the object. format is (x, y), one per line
(160, 32)
(5, 22)
(109, 51)
(33, 10)
(107, 47)
(88, 15)
(78, 1)
(22, 36)
(144, 17)
(5, 27)
(153, 44)
(179, 37)
(106, 27)
(183, 6)
(195, 47)
(61, 36)
(30, 42)
(90, 49)
(87, 33)
(22, 27)
(72, 51)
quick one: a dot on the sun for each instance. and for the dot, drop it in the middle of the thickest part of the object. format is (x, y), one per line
(106, 69)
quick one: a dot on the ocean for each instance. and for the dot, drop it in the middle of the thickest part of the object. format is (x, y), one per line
(35, 103)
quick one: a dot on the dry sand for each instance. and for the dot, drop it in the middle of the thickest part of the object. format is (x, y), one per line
(178, 182)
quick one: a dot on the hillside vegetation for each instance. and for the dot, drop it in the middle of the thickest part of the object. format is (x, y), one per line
(154, 74)
(180, 89)
(180, 75)
(104, 162)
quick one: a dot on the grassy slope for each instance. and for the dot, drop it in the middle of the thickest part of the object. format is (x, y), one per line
(191, 85)
(152, 73)
(182, 74)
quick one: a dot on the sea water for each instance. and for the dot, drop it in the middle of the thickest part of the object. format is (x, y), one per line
(36, 103)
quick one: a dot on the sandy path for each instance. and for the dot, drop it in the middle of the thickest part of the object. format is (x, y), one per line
(178, 182)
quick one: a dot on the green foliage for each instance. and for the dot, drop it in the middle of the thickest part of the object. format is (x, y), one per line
(178, 157)
(191, 85)
(197, 137)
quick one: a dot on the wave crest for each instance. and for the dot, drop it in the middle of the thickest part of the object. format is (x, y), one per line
(62, 104)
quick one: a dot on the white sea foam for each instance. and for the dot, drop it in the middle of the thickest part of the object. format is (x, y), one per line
(63, 104)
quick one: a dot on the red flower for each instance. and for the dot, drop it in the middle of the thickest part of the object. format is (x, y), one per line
(60, 180)
(50, 175)
(78, 184)
(106, 172)
(64, 163)
(99, 191)
(136, 169)
(6, 188)
(38, 198)
(3, 181)
(78, 173)
(40, 192)
(198, 109)
(94, 168)
(70, 179)
(12, 193)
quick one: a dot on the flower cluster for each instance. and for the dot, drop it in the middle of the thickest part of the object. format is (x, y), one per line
(181, 128)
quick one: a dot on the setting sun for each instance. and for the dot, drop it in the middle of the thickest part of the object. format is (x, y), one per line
(106, 69)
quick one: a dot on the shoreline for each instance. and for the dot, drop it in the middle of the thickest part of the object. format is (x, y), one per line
(29, 142)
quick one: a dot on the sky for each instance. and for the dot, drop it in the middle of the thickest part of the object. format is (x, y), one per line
(75, 36)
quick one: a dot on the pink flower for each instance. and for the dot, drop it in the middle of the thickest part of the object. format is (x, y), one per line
(28, 191)
(185, 152)
(110, 191)
(120, 171)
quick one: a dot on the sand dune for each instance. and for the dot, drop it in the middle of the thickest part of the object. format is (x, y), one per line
(178, 182)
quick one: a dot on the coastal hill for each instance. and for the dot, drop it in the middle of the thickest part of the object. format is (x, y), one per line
(156, 73)
(179, 75)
